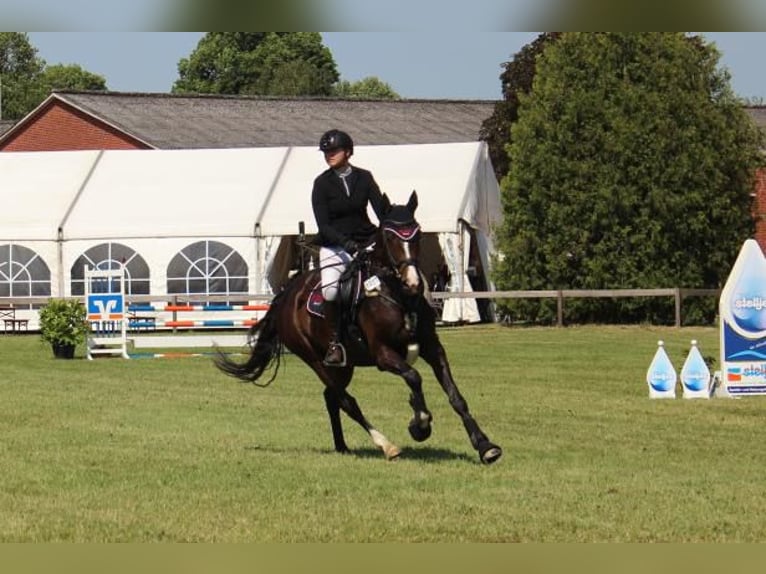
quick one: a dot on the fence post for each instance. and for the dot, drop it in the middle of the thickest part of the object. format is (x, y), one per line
(677, 297)
(175, 313)
(560, 308)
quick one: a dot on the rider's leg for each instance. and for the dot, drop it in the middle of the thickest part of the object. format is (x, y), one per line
(333, 263)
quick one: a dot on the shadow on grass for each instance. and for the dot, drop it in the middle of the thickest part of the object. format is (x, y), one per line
(425, 454)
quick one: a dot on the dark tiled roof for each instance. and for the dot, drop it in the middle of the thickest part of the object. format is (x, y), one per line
(172, 122)
(5, 125)
(758, 115)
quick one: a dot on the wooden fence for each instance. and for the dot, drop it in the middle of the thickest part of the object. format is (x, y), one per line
(560, 295)
(678, 294)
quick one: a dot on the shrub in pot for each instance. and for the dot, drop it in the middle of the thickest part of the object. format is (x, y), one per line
(63, 324)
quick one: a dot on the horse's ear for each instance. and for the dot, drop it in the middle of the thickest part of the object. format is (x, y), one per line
(412, 204)
(385, 204)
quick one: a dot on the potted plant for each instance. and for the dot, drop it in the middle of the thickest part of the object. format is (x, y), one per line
(63, 324)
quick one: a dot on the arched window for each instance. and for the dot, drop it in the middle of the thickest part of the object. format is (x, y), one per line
(207, 268)
(110, 256)
(23, 273)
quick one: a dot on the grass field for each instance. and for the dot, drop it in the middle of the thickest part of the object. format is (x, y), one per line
(172, 450)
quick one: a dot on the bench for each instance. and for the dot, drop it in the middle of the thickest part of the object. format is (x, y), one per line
(8, 315)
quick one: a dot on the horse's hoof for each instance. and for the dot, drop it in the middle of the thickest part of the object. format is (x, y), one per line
(417, 432)
(490, 453)
(392, 452)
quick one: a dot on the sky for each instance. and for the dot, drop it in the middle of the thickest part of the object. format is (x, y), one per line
(418, 64)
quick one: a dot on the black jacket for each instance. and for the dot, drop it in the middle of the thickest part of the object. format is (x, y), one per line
(340, 217)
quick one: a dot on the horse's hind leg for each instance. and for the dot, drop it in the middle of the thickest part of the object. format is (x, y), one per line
(351, 408)
(336, 397)
(333, 409)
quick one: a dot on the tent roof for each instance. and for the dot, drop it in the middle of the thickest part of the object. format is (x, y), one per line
(175, 193)
(123, 194)
(37, 189)
(453, 181)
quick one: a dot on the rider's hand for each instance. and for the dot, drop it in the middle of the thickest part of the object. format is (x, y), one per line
(350, 246)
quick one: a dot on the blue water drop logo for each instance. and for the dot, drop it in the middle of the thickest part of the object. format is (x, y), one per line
(661, 375)
(695, 374)
(748, 301)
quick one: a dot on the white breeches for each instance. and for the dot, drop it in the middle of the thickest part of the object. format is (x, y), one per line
(332, 262)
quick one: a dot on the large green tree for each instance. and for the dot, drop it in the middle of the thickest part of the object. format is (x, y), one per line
(263, 63)
(516, 79)
(631, 166)
(20, 70)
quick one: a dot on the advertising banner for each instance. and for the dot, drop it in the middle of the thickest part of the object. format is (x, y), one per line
(743, 324)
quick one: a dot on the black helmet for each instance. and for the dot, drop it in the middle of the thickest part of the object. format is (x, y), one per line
(336, 139)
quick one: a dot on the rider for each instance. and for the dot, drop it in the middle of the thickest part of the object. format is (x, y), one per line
(339, 200)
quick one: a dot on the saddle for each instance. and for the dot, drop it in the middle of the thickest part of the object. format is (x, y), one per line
(350, 294)
(355, 285)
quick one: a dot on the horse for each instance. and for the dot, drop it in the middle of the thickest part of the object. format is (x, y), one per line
(390, 323)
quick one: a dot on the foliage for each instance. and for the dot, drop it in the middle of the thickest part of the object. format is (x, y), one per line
(173, 451)
(63, 321)
(26, 80)
(632, 166)
(371, 88)
(70, 77)
(262, 63)
(20, 70)
(516, 79)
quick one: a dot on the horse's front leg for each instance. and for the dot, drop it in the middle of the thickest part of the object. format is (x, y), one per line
(433, 353)
(420, 424)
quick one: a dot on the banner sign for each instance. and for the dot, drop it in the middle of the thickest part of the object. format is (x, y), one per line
(742, 310)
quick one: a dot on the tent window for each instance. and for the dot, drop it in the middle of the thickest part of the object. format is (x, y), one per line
(207, 268)
(23, 273)
(107, 256)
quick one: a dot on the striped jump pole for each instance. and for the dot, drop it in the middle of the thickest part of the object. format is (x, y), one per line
(186, 308)
(196, 323)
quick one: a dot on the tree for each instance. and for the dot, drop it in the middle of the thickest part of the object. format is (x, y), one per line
(632, 165)
(20, 69)
(70, 77)
(26, 80)
(516, 79)
(370, 88)
(264, 63)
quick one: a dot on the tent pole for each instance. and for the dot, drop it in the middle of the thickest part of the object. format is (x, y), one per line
(60, 265)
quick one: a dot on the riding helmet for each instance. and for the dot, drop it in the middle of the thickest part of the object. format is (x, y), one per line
(336, 139)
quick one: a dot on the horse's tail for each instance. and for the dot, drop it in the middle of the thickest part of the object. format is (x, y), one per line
(265, 349)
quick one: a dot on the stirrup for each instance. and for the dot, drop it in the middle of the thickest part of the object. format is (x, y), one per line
(332, 349)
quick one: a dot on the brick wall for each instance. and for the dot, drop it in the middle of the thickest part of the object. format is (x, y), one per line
(759, 208)
(59, 128)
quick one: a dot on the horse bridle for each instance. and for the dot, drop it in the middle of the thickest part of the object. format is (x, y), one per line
(407, 232)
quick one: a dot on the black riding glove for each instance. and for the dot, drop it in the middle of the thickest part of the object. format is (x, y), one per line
(350, 246)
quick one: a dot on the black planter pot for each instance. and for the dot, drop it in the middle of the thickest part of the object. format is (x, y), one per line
(63, 350)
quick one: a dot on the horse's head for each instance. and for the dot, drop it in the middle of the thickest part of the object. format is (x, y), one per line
(400, 239)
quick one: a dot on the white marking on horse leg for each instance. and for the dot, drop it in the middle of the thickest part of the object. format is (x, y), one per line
(422, 419)
(389, 449)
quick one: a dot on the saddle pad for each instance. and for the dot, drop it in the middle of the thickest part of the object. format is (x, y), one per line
(315, 300)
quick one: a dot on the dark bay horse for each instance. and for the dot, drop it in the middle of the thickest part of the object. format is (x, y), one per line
(391, 318)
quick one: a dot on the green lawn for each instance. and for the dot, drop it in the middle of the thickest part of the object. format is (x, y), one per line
(172, 450)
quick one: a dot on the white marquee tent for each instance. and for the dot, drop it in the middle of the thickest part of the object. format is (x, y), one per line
(224, 220)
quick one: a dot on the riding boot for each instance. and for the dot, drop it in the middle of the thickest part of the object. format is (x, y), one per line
(336, 354)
